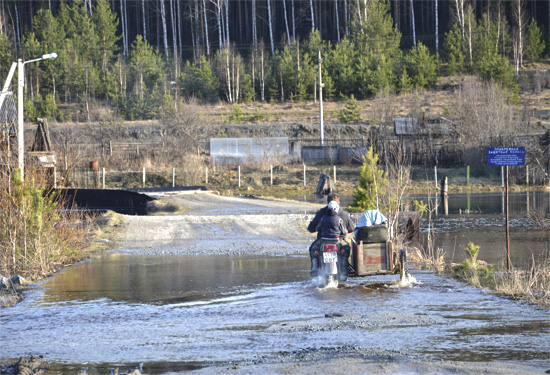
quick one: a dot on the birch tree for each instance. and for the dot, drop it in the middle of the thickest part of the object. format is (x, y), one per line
(520, 18)
(412, 23)
(164, 28)
(270, 21)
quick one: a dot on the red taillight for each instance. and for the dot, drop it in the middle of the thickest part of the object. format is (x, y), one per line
(330, 247)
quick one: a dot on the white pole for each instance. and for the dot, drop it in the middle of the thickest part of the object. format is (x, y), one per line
(103, 170)
(173, 177)
(20, 128)
(435, 174)
(239, 176)
(55, 177)
(334, 174)
(143, 176)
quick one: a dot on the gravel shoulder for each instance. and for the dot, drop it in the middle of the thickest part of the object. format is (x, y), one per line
(233, 225)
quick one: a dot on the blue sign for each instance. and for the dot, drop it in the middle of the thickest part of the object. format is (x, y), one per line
(502, 156)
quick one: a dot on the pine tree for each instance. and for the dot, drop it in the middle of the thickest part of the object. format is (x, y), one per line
(106, 24)
(534, 42)
(373, 184)
(421, 66)
(453, 51)
(351, 111)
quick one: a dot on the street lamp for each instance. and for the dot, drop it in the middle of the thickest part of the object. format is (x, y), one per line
(20, 128)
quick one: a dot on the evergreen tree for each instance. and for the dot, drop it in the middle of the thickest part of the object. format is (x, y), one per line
(146, 76)
(373, 184)
(351, 111)
(106, 24)
(421, 67)
(453, 51)
(6, 58)
(198, 80)
(534, 42)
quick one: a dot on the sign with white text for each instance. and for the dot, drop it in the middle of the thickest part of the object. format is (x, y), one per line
(502, 156)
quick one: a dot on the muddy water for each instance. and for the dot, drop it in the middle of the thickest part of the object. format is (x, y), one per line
(480, 218)
(179, 313)
(184, 312)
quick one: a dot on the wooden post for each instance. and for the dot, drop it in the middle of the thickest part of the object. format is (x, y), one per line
(144, 177)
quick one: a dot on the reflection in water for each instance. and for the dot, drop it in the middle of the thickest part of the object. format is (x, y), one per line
(170, 279)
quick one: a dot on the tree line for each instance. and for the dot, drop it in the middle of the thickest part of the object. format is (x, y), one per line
(141, 57)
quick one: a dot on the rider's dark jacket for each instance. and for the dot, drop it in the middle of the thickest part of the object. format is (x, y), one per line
(331, 226)
(344, 215)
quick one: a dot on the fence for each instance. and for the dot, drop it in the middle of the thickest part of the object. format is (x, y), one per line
(296, 174)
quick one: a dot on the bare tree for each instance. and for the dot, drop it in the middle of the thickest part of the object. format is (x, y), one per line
(270, 21)
(164, 28)
(520, 17)
(412, 23)
(206, 28)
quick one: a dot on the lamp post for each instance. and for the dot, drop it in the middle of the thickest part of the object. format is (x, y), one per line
(20, 128)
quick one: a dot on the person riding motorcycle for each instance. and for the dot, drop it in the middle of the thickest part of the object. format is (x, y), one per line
(315, 246)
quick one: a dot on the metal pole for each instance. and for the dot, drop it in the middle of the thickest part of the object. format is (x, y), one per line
(144, 177)
(239, 176)
(20, 127)
(435, 175)
(321, 85)
(173, 177)
(334, 174)
(103, 170)
(507, 225)
(304, 174)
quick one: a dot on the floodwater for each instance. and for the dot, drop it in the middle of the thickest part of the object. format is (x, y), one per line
(180, 313)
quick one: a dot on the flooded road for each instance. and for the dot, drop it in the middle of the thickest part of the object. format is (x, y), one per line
(184, 312)
(207, 313)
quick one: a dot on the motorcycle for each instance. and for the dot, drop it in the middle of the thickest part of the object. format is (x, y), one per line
(332, 263)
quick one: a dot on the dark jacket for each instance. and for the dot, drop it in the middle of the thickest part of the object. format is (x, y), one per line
(344, 215)
(331, 227)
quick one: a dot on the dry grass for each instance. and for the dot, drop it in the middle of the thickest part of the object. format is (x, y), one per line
(532, 286)
(427, 259)
(37, 234)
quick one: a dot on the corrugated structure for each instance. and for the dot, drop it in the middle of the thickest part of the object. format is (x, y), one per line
(233, 151)
(8, 114)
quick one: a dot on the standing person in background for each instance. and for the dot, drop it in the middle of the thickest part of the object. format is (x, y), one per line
(316, 245)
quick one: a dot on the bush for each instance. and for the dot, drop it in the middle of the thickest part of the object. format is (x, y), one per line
(34, 236)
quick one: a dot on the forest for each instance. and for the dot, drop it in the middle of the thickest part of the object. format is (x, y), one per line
(143, 57)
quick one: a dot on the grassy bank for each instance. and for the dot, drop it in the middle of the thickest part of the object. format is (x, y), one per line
(38, 234)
